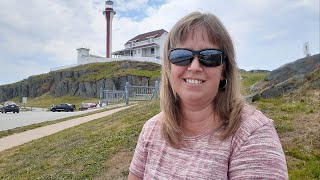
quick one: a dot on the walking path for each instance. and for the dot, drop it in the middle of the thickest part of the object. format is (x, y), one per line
(27, 136)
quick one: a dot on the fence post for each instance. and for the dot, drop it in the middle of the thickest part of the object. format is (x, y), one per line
(101, 96)
(156, 86)
(107, 97)
(127, 93)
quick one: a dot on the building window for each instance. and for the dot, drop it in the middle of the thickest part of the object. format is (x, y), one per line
(139, 51)
(152, 50)
(134, 52)
(150, 40)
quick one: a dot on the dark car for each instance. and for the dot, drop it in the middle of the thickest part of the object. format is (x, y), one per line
(63, 107)
(10, 107)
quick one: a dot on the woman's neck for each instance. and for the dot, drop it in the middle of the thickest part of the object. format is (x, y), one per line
(198, 120)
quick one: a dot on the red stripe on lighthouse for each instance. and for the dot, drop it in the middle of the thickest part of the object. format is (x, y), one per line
(108, 35)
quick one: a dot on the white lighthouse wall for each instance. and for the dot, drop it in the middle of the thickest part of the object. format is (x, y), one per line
(82, 52)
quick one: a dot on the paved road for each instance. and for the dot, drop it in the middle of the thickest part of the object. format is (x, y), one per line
(27, 136)
(12, 120)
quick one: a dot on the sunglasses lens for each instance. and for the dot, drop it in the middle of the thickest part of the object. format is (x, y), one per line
(207, 57)
(211, 58)
(180, 57)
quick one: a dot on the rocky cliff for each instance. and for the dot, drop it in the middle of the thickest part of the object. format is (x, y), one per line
(84, 80)
(291, 76)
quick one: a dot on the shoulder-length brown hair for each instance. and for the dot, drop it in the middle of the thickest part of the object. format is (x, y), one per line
(228, 101)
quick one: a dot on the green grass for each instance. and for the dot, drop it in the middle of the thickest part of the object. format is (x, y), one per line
(307, 164)
(81, 152)
(300, 140)
(99, 71)
(146, 73)
(248, 79)
(310, 171)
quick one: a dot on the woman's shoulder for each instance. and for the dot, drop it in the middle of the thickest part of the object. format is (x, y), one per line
(252, 119)
(152, 124)
(153, 120)
(252, 122)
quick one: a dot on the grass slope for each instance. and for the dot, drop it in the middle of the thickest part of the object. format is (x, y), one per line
(84, 152)
(97, 71)
(248, 79)
(297, 120)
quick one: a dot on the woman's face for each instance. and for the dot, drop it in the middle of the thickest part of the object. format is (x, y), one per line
(196, 84)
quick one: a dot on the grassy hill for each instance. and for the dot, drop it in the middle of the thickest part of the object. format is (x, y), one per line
(83, 80)
(103, 148)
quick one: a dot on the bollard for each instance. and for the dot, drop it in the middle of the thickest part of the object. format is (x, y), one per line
(127, 93)
(101, 96)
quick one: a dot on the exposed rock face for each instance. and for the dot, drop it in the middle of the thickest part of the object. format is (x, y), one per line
(289, 77)
(61, 83)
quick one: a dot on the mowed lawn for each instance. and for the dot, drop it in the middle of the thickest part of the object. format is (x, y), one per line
(100, 149)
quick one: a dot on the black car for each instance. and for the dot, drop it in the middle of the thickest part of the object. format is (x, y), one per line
(63, 107)
(10, 107)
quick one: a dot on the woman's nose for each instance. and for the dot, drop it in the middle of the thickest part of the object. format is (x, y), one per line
(195, 65)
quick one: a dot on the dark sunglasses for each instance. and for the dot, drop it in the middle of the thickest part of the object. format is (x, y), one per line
(207, 57)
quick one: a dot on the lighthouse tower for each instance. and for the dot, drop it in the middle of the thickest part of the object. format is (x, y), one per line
(109, 13)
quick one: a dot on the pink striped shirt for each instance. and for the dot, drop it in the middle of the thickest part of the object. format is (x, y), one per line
(253, 152)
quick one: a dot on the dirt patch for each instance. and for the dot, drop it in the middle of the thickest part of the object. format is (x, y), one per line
(306, 130)
(304, 141)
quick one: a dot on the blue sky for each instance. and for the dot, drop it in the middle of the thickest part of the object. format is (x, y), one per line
(41, 34)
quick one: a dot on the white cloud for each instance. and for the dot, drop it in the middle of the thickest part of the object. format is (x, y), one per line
(313, 5)
(273, 35)
(125, 5)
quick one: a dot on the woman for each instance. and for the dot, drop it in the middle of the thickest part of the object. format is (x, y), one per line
(205, 131)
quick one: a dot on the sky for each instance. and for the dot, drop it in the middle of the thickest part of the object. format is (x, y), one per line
(37, 35)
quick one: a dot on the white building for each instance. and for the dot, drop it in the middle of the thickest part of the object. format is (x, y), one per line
(85, 58)
(149, 44)
(144, 47)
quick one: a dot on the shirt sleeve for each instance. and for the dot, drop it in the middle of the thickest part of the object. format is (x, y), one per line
(138, 162)
(260, 156)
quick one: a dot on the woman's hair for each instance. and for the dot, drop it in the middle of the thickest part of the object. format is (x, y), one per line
(228, 101)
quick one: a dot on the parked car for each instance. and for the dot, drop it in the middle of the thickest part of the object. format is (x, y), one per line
(85, 106)
(10, 107)
(63, 107)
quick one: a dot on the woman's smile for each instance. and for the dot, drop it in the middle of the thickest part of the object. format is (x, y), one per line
(193, 81)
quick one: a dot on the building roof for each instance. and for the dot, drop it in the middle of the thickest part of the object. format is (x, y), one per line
(143, 37)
